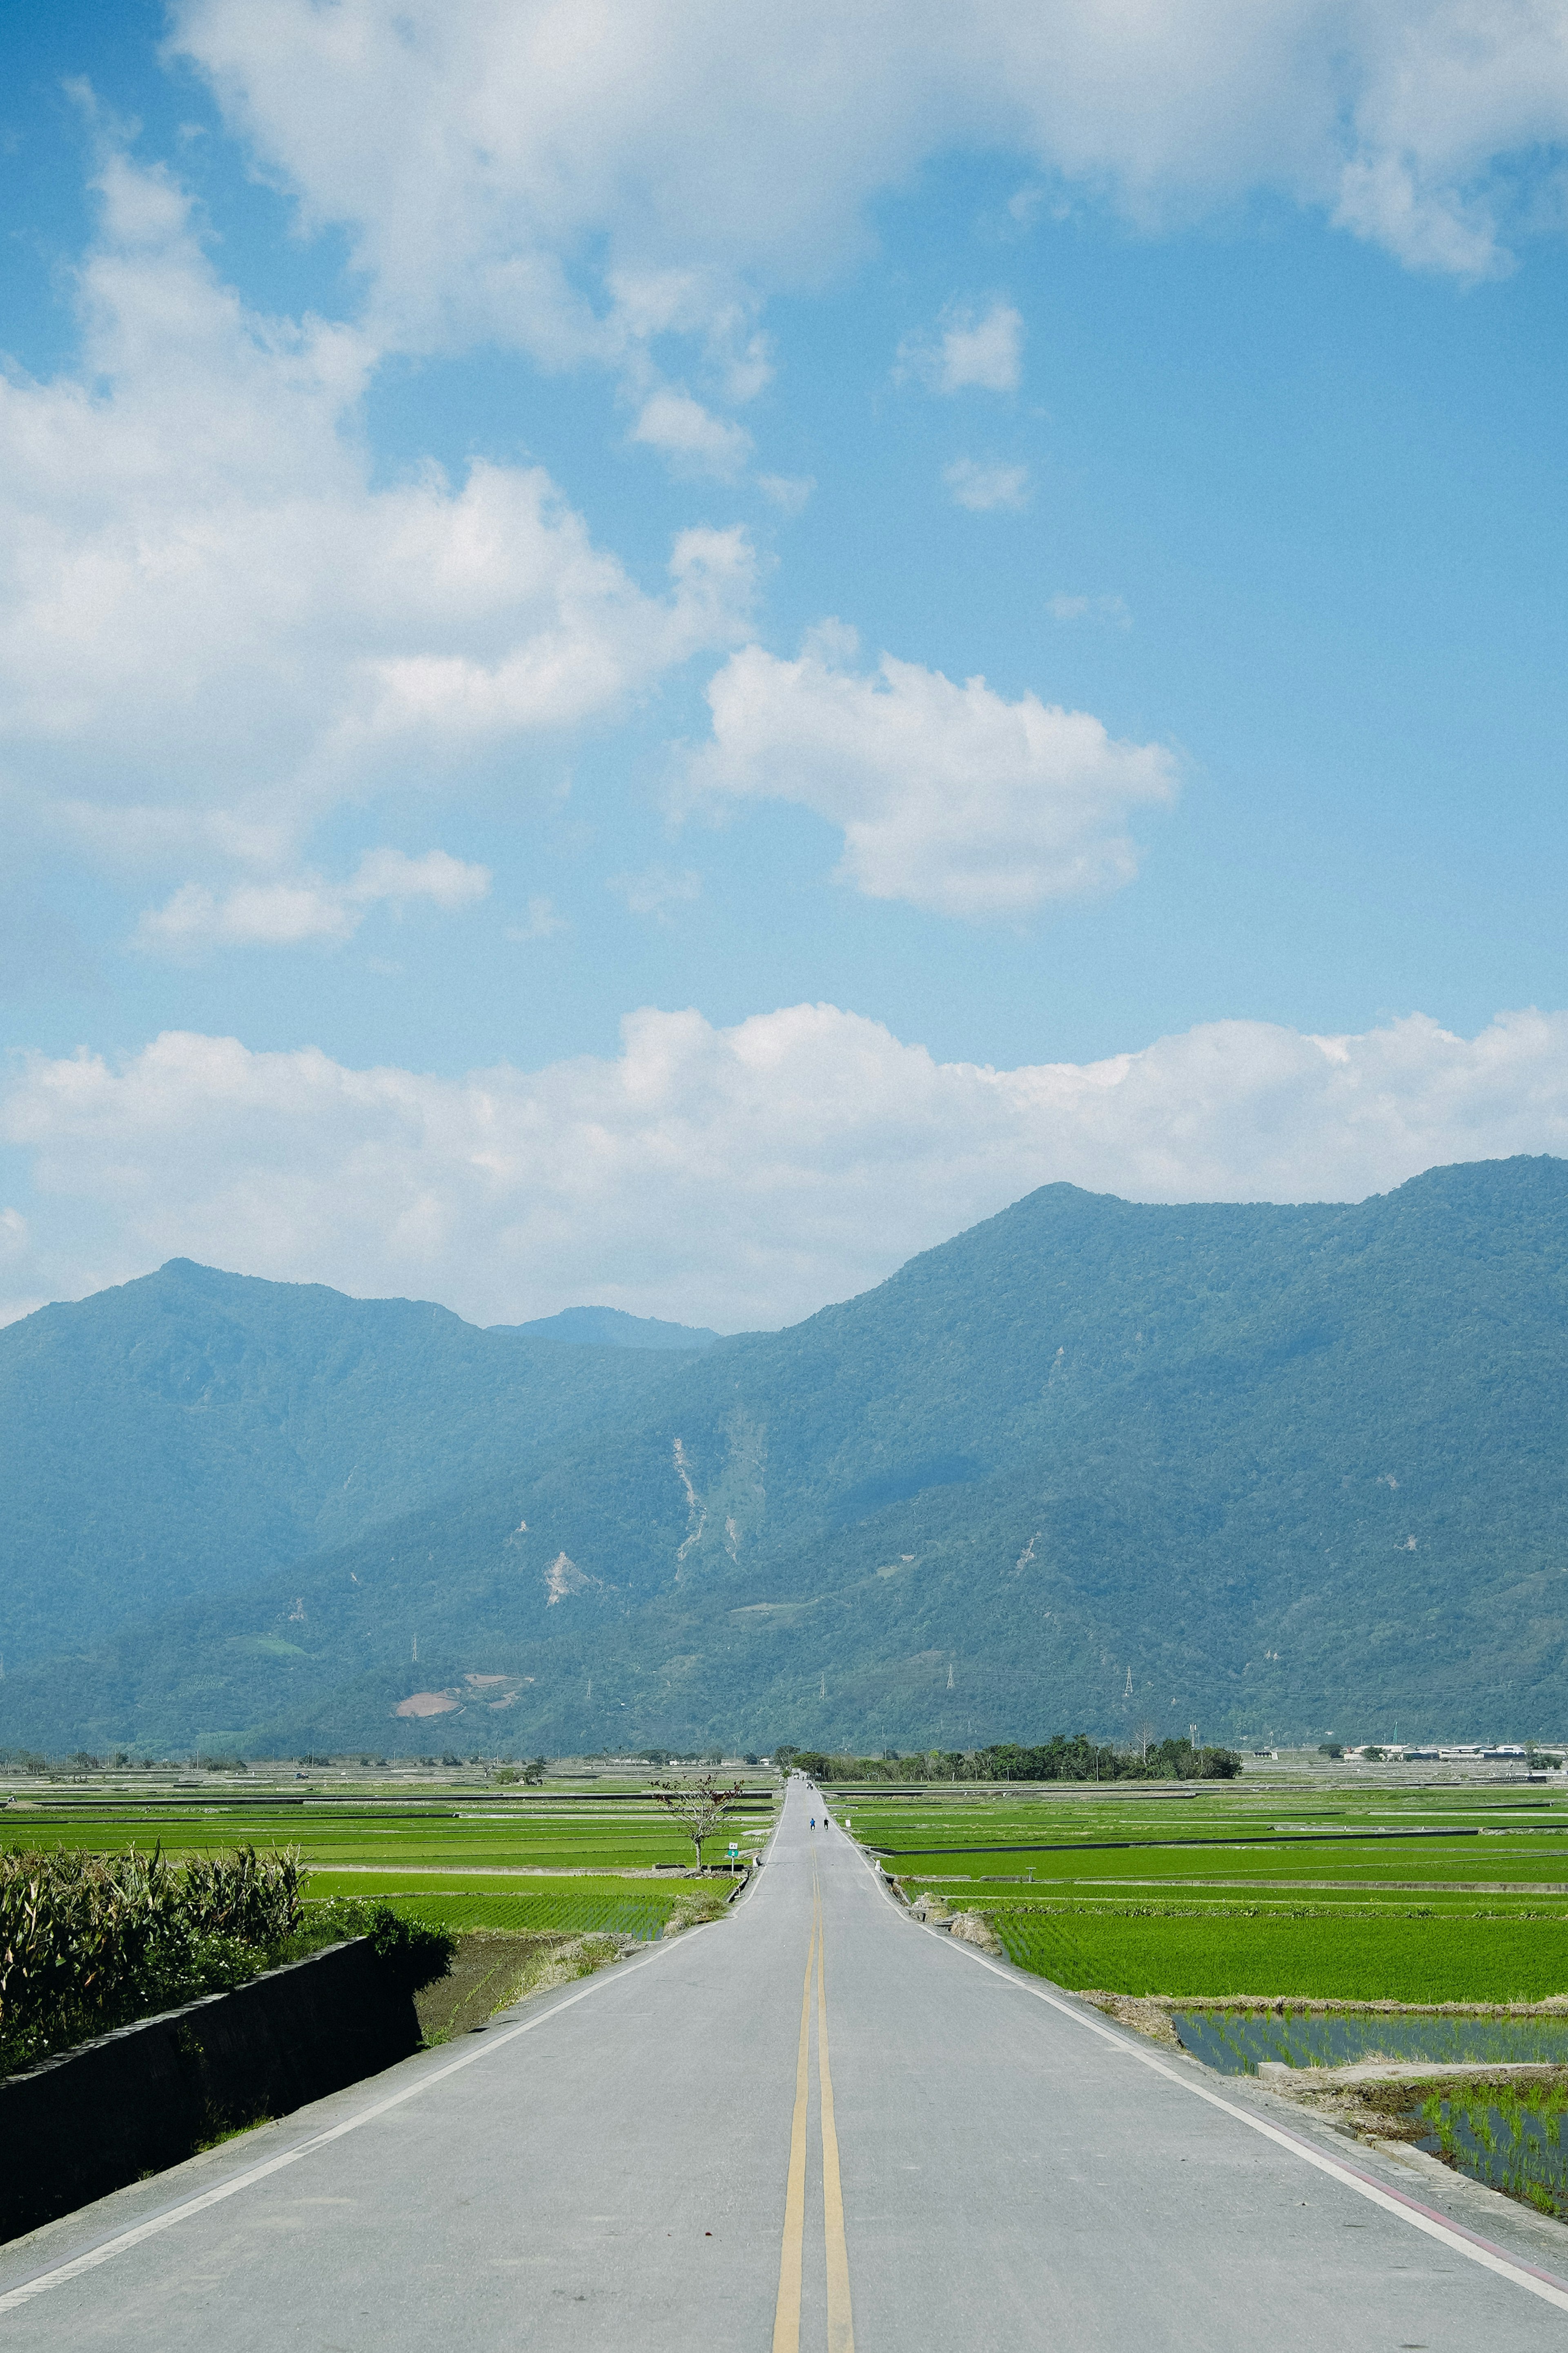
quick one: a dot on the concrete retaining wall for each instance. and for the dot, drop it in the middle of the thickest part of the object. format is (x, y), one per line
(75, 2126)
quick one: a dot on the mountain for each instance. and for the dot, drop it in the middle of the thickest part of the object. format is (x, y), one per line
(612, 1327)
(1296, 1471)
(188, 1432)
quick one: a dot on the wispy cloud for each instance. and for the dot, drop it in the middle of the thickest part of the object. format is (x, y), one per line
(656, 890)
(542, 922)
(986, 490)
(1110, 609)
(305, 910)
(789, 492)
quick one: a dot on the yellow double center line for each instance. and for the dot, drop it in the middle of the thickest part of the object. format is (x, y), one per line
(786, 2315)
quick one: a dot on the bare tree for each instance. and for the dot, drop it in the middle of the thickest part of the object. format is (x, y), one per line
(699, 1806)
(1143, 1735)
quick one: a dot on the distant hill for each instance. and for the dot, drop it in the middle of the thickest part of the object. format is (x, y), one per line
(1296, 1471)
(612, 1327)
(188, 1432)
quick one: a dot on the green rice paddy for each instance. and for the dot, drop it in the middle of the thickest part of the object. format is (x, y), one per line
(1387, 1956)
(1412, 1895)
(1507, 2135)
(462, 1857)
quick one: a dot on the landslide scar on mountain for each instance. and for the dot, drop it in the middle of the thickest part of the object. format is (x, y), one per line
(696, 1509)
(563, 1576)
(736, 1499)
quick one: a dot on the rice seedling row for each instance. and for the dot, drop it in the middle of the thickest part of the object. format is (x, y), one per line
(1386, 1958)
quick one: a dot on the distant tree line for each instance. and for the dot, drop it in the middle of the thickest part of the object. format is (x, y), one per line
(1064, 1756)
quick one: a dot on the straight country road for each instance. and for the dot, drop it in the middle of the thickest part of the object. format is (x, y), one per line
(813, 2124)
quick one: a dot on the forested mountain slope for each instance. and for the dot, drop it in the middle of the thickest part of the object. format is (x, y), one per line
(190, 1432)
(1271, 1470)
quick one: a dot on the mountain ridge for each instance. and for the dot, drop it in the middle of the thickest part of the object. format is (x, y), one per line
(1278, 1470)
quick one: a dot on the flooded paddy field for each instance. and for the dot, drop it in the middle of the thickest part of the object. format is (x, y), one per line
(1238, 2042)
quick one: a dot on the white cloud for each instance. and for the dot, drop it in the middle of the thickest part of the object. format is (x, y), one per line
(656, 890)
(949, 797)
(696, 441)
(985, 488)
(789, 492)
(543, 922)
(289, 913)
(1090, 608)
(984, 354)
(735, 1176)
(213, 628)
(499, 174)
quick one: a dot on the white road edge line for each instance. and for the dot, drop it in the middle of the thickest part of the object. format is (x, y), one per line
(1393, 2201)
(25, 2293)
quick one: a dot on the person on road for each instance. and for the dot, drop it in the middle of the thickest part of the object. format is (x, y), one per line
(813, 1822)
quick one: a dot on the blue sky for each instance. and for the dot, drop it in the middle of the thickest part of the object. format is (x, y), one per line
(1115, 499)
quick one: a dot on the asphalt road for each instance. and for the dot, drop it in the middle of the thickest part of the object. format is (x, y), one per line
(674, 2156)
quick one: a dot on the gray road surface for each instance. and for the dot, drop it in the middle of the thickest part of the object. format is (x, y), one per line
(638, 2162)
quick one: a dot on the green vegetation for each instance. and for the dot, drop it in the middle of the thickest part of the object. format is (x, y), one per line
(380, 1839)
(614, 1907)
(114, 1906)
(88, 1942)
(702, 1807)
(398, 1865)
(1505, 2131)
(1248, 1467)
(1066, 1756)
(224, 1426)
(1390, 1956)
(1347, 1893)
(413, 1952)
(1507, 2134)
(490, 1971)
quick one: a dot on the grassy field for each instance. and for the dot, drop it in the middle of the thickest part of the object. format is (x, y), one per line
(1401, 1895)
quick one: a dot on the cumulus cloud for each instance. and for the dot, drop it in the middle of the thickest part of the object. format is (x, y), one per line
(968, 352)
(499, 175)
(985, 489)
(289, 914)
(732, 1177)
(949, 797)
(213, 626)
